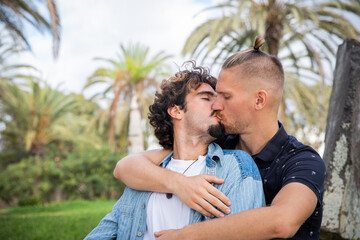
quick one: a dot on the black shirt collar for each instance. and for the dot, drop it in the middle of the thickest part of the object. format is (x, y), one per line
(274, 146)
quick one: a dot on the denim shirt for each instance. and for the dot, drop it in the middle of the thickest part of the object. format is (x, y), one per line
(243, 186)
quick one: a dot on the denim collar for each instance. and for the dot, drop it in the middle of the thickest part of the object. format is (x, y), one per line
(214, 153)
(274, 146)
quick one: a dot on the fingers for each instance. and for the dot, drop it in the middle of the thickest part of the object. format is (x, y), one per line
(217, 199)
(209, 209)
(165, 232)
(158, 234)
(203, 211)
(211, 200)
(212, 179)
(216, 192)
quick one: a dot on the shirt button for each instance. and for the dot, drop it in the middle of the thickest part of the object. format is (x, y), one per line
(143, 206)
(139, 234)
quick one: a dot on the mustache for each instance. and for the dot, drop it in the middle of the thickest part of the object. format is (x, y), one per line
(213, 113)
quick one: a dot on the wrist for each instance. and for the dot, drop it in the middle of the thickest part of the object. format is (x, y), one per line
(188, 233)
(174, 182)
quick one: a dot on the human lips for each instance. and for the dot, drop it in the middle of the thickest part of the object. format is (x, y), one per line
(218, 117)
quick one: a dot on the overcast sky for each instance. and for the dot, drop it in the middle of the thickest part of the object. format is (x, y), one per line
(95, 28)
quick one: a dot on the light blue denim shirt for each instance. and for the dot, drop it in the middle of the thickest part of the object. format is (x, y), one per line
(243, 186)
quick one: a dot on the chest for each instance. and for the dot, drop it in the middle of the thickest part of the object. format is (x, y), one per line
(272, 175)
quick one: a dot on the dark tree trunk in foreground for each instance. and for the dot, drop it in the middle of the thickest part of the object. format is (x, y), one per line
(342, 146)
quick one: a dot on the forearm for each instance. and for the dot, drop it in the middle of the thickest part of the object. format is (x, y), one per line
(139, 173)
(280, 220)
(259, 223)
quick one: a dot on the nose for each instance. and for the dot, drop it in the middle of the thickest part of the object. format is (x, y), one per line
(217, 105)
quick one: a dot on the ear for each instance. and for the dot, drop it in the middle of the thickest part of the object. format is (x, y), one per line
(261, 99)
(175, 112)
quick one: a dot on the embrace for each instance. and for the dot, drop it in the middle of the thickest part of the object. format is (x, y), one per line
(228, 169)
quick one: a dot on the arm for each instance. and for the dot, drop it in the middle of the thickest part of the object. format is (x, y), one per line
(244, 194)
(140, 172)
(280, 220)
(106, 230)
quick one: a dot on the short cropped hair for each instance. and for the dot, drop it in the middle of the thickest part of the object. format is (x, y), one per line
(257, 63)
(173, 91)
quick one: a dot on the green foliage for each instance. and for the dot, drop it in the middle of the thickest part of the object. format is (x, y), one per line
(14, 13)
(66, 220)
(39, 120)
(84, 175)
(134, 73)
(30, 201)
(303, 34)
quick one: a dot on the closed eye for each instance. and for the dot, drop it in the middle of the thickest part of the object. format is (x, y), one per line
(226, 97)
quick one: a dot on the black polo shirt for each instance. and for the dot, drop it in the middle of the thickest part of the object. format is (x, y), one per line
(284, 160)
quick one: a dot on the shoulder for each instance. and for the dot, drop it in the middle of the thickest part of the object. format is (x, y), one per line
(241, 160)
(301, 163)
(300, 154)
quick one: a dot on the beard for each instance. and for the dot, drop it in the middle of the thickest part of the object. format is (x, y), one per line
(216, 131)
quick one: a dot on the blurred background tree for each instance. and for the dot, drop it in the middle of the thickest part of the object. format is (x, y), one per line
(14, 13)
(303, 34)
(131, 79)
(36, 116)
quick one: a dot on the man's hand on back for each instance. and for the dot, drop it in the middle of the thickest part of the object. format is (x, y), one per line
(197, 193)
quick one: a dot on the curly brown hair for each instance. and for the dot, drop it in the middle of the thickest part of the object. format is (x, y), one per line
(173, 92)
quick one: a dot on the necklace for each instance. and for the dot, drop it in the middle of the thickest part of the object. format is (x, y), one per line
(169, 195)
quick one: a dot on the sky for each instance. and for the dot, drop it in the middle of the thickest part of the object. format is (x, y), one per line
(95, 28)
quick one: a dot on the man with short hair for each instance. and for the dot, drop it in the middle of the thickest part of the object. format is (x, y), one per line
(249, 88)
(184, 121)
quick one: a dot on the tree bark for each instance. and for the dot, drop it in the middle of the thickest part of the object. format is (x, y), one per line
(274, 27)
(342, 146)
(136, 136)
(113, 110)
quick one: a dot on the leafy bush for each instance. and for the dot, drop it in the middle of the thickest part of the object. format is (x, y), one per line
(30, 201)
(85, 175)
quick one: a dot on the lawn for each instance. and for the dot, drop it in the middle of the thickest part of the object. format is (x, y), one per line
(66, 220)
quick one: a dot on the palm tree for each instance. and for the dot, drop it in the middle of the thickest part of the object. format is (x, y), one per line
(131, 78)
(14, 13)
(304, 34)
(11, 72)
(36, 116)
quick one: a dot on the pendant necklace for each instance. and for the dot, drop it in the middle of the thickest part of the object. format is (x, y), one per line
(169, 195)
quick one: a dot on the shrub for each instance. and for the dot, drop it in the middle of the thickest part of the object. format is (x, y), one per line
(85, 175)
(30, 201)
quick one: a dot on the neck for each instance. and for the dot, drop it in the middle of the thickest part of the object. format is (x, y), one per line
(189, 147)
(257, 137)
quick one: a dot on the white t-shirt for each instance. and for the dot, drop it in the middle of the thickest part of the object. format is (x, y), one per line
(163, 213)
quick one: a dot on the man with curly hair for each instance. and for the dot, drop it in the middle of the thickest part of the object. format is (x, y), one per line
(184, 122)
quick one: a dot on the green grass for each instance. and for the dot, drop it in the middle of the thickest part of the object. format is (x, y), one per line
(66, 220)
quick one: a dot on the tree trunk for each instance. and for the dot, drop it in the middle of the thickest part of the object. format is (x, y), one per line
(113, 111)
(274, 27)
(273, 35)
(136, 136)
(342, 146)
